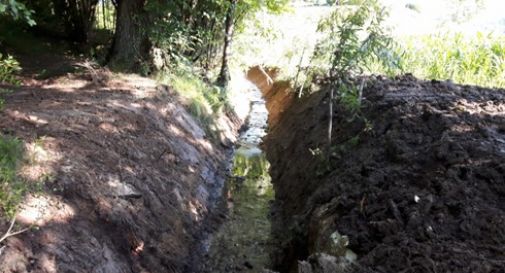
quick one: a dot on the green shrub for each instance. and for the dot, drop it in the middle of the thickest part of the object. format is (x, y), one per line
(8, 69)
(353, 35)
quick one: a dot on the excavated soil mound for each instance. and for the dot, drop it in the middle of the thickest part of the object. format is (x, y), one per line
(416, 182)
(129, 179)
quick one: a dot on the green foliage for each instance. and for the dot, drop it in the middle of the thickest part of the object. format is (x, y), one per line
(203, 100)
(477, 59)
(186, 32)
(17, 10)
(250, 7)
(192, 32)
(3, 92)
(354, 36)
(105, 14)
(11, 189)
(350, 96)
(8, 69)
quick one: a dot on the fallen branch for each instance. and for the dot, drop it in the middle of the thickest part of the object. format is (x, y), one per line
(330, 121)
(270, 81)
(90, 67)
(299, 68)
(9, 232)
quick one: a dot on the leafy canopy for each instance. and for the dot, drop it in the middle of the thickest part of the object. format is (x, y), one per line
(16, 10)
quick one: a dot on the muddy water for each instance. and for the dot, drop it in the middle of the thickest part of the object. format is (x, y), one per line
(242, 244)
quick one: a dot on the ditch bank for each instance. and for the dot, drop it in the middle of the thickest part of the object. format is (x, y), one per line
(129, 180)
(415, 182)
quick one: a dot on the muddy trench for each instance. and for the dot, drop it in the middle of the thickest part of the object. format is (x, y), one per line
(413, 184)
(242, 242)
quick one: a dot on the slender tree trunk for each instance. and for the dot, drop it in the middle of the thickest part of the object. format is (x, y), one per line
(224, 75)
(77, 16)
(130, 48)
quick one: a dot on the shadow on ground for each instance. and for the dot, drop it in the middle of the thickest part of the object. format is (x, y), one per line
(130, 178)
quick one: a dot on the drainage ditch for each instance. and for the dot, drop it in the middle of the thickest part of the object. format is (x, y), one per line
(242, 243)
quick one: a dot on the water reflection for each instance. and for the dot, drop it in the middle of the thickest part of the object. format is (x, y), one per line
(251, 181)
(242, 244)
(250, 163)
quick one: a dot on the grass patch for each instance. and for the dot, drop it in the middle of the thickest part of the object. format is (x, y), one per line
(477, 59)
(12, 189)
(203, 100)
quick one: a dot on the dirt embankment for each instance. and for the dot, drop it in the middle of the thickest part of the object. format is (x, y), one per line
(417, 185)
(129, 178)
(277, 94)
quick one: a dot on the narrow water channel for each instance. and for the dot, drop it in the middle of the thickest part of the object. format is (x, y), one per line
(242, 244)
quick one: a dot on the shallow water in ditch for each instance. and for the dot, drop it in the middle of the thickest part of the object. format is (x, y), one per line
(242, 243)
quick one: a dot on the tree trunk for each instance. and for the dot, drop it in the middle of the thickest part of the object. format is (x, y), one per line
(130, 48)
(224, 75)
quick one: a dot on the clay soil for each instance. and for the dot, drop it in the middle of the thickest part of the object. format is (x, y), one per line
(416, 180)
(128, 178)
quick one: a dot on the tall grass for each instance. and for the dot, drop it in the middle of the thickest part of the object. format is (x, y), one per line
(477, 59)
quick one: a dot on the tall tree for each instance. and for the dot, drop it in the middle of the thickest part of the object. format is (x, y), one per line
(224, 75)
(131, 45)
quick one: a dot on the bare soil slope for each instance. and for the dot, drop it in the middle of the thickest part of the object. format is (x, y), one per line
(129, 177)
(417, 186)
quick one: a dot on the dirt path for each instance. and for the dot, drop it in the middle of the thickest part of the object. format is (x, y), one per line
(417, 184)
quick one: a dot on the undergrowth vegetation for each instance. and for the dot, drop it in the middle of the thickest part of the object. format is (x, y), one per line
(12, 189)
(203, 100)
(9, 67)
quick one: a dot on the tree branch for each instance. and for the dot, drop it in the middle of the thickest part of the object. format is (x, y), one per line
(9, 232)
